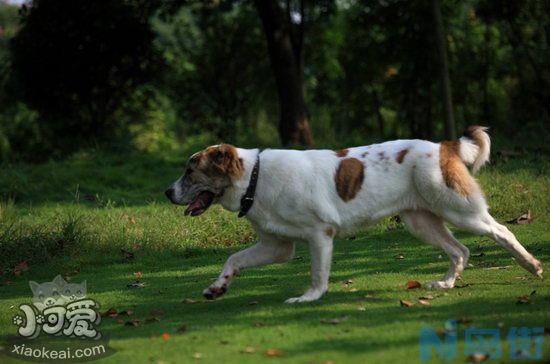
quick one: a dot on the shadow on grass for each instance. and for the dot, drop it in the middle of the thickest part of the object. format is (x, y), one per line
(255, 300)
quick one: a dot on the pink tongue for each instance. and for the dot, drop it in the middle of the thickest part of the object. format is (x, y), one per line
(197, 204)
(201, 203)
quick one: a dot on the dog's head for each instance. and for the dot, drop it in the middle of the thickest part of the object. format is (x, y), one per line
(207, 174)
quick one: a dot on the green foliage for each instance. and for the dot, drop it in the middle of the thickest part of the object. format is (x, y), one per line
(78, 72)
(219, 74)
(151, 75)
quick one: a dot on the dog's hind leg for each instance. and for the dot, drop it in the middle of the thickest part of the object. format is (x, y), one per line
(270, 249)
(430, 228)
(484, 224)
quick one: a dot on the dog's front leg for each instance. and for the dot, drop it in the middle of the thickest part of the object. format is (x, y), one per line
(321, 258)
(269, 249)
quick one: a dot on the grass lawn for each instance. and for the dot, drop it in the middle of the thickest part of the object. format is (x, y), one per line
(75, 217)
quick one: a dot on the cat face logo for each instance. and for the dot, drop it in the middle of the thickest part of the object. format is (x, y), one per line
(56, 293)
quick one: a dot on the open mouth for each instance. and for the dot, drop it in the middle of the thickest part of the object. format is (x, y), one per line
(200, 203)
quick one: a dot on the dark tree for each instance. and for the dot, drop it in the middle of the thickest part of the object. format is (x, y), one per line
(446, 94)
(77, 60)
(285, 39)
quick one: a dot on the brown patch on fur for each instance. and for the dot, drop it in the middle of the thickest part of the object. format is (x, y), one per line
(349, 178)
(401, 155)
(341, 153)
(222, 159)
(454, 171)
(330, 232)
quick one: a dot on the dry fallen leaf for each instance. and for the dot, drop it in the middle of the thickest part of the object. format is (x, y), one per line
(137, 274)
(424, 302)
(197, 355)
(133, 322)
(126, 313)
(526, 218)
(248, 350)
(165, 336)
(136, 284)
(477, 357)
(399, 256)
(413, 284)
(353, 290)
(405, 303)
(112, 312)
(190, 300)
(273, 352)
(524, 300)
(362, 308)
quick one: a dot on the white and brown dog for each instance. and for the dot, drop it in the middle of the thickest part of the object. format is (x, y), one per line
(314, 195)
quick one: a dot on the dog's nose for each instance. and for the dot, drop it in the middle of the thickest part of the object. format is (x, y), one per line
(169, 193)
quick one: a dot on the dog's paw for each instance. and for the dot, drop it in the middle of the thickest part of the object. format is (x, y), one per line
(306, 297)
(538, 269)
(439, 284)
(213, 292)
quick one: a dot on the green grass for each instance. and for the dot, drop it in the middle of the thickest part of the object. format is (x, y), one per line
(74, 217)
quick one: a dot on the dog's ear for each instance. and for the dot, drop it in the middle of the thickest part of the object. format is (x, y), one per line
(226, 161)
(220, 156)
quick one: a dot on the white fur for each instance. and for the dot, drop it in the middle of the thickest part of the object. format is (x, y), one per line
(296, 199)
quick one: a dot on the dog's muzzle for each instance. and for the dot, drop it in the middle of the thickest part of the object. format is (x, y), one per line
(170, 194)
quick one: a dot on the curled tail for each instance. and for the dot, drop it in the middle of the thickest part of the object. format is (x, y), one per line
(475, 147)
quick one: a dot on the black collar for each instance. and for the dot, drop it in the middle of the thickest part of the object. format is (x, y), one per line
(248, 198)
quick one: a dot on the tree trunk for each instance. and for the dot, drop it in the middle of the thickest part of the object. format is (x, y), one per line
(449, 121)
(285, 54)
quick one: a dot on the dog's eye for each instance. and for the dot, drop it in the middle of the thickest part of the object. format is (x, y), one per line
(188, 171)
